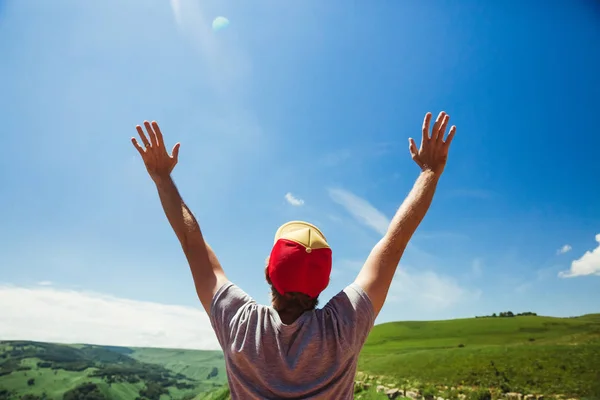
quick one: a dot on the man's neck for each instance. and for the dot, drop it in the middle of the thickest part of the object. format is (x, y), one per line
(289, 316)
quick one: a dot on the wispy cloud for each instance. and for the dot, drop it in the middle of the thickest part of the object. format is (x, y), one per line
(371, 217)
(361, 210)
(564, 249)
(176, 7)
(67, 316)
(588, 264)
(293, 200)
(45, 283)
(427, 293)
(477, 267)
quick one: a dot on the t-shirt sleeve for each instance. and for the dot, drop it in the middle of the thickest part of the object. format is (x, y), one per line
(353, 310)
(227, 305)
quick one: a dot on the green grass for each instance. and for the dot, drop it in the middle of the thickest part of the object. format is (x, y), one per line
(372, 394)
(54, 385)
(217, 394)
(120, 390)
(196, 364)
(527, 354)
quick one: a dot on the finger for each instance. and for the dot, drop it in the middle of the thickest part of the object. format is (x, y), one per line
(426, 122)
(443, 127)
(159, 135)
(436, 126)
(175, 152)
(137, 146)
(412, 147)
(142, 136)
(450, 136)
(151, 133)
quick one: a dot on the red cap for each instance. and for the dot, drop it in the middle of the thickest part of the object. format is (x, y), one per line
(300, 260)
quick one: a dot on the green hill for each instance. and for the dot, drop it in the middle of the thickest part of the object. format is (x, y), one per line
(525, 354)
(57, 371)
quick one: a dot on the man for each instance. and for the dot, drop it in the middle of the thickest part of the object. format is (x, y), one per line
(291, 350)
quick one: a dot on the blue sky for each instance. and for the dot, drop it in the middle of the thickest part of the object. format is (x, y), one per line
(296, 110)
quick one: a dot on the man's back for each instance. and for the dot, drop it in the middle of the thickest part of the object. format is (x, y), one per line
(313, 358)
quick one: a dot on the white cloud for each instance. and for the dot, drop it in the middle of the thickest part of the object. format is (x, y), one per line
(564, 249)
(361, 210)
(422, 294)
(588, 264)
(295, 201)
(67, 316)
(45, 283)
(427, 292)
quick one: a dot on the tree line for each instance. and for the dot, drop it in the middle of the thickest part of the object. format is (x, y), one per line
(505, 314)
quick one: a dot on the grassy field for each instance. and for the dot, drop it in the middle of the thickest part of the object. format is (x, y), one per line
(195, 364)
(526, 354)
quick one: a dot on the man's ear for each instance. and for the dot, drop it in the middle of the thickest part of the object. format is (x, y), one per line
(267, 270)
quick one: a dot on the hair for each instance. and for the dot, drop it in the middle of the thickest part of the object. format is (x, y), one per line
(293, 303)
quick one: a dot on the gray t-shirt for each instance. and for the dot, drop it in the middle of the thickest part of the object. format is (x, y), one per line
(313, 358)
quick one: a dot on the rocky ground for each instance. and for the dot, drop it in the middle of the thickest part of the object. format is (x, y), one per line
(416, 391)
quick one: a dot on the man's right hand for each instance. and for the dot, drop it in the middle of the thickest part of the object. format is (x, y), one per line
(158, 162)
(433, 153)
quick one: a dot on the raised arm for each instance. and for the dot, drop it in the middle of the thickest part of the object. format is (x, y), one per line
(376, 275)
(206, 271)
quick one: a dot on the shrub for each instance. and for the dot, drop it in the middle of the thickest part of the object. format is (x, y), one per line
(480, 394)
(85, 391)
(214, 372)
(451, 394)
(31, 397)
(428, 392)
